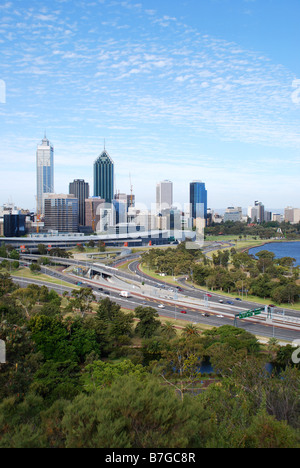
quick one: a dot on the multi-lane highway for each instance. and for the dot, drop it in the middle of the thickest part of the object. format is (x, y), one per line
(183, 303)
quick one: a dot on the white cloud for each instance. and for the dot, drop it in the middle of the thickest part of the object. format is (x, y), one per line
(147, 88)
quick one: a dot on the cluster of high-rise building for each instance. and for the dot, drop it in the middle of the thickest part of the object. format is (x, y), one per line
(105, 210)
(109, 212)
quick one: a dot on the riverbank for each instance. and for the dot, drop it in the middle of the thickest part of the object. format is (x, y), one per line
(280, 249)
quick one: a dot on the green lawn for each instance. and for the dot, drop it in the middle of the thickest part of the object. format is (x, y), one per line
(27, 274)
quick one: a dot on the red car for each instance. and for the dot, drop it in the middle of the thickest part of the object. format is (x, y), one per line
(183, 311)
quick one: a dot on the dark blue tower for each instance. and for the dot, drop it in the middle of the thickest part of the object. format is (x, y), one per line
(104, 177)
(198, 200)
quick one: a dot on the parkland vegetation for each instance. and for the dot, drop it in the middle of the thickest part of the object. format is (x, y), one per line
(231, 271)
(85, 374)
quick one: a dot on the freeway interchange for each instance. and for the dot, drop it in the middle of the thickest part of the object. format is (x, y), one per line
(183, 302)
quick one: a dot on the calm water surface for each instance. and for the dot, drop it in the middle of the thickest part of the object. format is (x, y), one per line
(280, 249)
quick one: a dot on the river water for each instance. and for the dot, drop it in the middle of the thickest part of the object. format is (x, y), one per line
(281, 249)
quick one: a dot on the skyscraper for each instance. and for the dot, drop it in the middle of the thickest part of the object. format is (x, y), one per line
(257, 212)
(61, 212)
(198, 200)
(164, 195)
(44, 172)
(80, 189)
(104, 177)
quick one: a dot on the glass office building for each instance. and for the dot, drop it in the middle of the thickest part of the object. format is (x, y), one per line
(164, 195)
(44, 172)
(198, 200)
(61, 213)
(14, 225)
(80, 189)
(104, 177)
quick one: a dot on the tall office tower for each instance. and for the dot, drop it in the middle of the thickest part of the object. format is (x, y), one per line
(120, 204)
(61, 212)
(292, 215)
(164, 195)
(92, 212)
(104, 177)
(44, 172)
(198, 200)
(260, 211)
(80, 189)
(257, 212)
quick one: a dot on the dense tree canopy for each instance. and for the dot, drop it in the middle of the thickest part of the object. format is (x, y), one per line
(112, 379)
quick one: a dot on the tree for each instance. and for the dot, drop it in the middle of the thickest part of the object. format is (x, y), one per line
(57, 252)
(51, 338)
(266, 432)
(168, 330)
(6, 284)
(22, 360)
(100, 374)
(262, 286)
(190, 330)
(288, 293)
(42, 249)
(27, 298)
(181, 362)
(101, 246)
(55, 380)
(35, 267)
(81, 300)
(61, 340)
(148, 324)
(14, 254)
(118, 324)
(133, 413)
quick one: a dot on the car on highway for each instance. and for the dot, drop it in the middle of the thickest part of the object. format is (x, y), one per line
(183, 311)
(161, 306)
(220, 316)
(208, 295)
(229, 302)
(238, 299)
(206, 315)
(221, 301)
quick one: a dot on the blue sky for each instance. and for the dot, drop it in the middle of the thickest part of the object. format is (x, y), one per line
(180, 90)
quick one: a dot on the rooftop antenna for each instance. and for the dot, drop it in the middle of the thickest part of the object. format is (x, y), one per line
(131, 188)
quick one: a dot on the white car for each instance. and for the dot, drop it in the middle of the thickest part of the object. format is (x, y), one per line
(220, 316)
(161, 306)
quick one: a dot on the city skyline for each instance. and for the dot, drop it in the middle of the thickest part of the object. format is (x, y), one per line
(180, 90)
